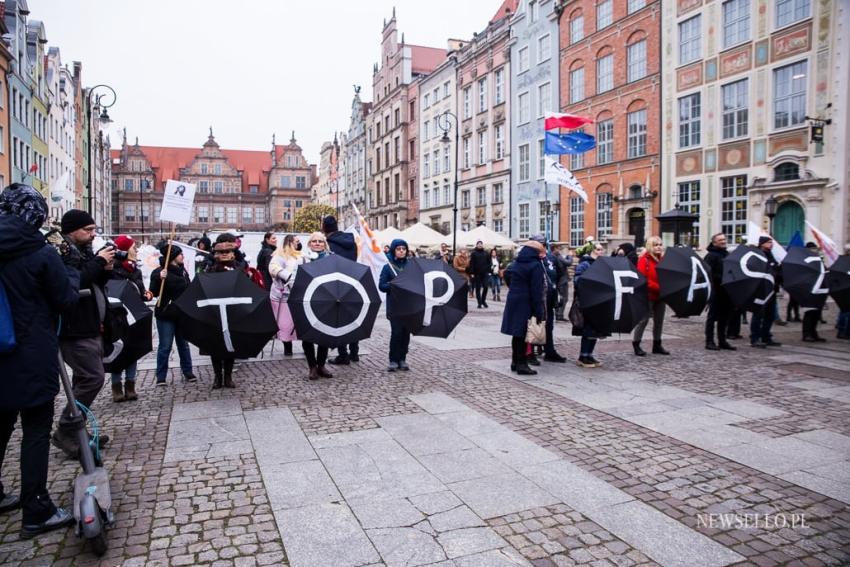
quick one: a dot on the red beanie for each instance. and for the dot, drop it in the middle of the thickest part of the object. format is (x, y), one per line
(124, 242)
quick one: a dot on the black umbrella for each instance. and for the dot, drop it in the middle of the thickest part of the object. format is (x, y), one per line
(333, 301)
(804, 277)
(226, 315)
(134, 338)
(684, 281)
(839, 282)
(612, 295)
(747, 278)
(428, 297)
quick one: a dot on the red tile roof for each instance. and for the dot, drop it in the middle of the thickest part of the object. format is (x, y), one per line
(426, 59)
(507, 7)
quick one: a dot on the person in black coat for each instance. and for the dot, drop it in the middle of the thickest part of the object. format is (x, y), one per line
(479, 272)
(550, 270)
(38, 287)
(265, 257)
(399, 335)
(627, 249)
(589, 335)
(342, 244)
(762, 320)
(720, 307)
(525, 299)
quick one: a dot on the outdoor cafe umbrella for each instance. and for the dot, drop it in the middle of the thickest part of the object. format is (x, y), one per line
(225, 314)
(134, 339)
(333, 301)
(684, 281)
(613, 295)
(804, 277)
(839, 282)
(428, 298)
(747, 278)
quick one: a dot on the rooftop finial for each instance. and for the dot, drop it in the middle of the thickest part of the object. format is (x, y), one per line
(292, 139)
(211, 133)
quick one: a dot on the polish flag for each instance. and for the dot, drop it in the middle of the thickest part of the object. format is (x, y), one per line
(557, 120)
(826, 244)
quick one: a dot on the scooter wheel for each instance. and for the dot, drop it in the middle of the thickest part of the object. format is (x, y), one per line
(98, 544)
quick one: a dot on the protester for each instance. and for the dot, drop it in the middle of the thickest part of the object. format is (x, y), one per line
(495, 275)
(342, 244)
(720, 307)
(479, 271)
(792, 311)
(588, 333)
(399, 335)
(176, 280)
(461, 264)
(526, 290)
(586, 248)
(316, 355)
(127, 270)
(38, 288)
(762, 319)
(443, 254)
(267, 248)
(282, 268)
(811, 317)
(563, 261)
(646, 265)
(627, 249)
(80, 337)
(550, 271)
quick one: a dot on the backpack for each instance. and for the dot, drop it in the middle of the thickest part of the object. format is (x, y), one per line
(7, 324)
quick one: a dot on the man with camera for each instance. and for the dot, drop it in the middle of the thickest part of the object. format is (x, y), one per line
(80, 337)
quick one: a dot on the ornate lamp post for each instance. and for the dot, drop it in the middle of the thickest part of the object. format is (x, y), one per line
(445, 125)
(104, 120)
(770, 206)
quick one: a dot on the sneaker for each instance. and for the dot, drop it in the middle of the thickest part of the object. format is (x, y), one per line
(9, 502)
(339, 360)
(593, 361)
(58, 520)
(554, 357)
(160, 383)
(403, 365)
(190, 377)
(585, 362)
(392, 367)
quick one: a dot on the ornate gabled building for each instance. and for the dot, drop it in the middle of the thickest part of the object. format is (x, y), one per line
(244, 189)
(354, 160)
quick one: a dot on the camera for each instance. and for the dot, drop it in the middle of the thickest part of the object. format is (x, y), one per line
(119, 254)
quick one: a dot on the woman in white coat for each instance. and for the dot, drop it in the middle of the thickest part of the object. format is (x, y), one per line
(282, 268)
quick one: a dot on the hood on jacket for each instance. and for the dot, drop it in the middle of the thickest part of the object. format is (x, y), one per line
(18, 238)
(267, 245)
(627, 248)
(343, 241)
(717, 250)
(395, 244)
(528, 254)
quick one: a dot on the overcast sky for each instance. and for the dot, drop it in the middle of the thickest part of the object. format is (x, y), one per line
(247, 68)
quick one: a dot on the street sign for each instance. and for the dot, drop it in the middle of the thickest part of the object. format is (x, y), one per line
(177, 202)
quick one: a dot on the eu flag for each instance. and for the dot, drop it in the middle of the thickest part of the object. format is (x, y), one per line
(570, 143)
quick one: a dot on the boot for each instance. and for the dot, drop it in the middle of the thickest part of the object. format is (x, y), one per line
(218, 376)
(711, 345)
(130, 391)
(638, 351)
(325, 373)
(228, 379)
(523, 369)
(314, 373)
(287, 348)
(658, 349)
(117, 393)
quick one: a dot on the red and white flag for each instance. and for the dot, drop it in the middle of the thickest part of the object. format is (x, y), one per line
(558, 120)
(825, 243)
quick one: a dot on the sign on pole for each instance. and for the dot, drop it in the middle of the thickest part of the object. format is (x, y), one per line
(177, 202)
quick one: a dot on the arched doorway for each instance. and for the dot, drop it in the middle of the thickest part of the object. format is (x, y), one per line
(637, 226)
(789, 219)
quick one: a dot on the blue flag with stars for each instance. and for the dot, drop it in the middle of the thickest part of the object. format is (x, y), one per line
(570, 143)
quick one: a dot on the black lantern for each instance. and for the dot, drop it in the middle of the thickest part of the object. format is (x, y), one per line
(770, 206)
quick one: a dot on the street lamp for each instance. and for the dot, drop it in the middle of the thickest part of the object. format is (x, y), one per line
(104, 120)
(770, 206)
(445, 125)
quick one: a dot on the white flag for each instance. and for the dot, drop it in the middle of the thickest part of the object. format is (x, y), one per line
(754, 231)
(828, 245)
(560, 175)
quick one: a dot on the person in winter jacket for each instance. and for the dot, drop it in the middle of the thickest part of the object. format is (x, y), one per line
(342, 244)
(317, 355)
(762, 320)
(38, 288)
(526, 299)
(495, 275)
(479, 271)
(399, 335)
(127, 270)
(176, 281)
(646, 265)
(627, 249)
(563, 261)
(265, 256)
(588, 333)
(461, 264)
(282, 268)
(720, 307)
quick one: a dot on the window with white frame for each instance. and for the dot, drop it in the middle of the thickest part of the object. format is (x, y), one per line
(499, 88)
(605, 141)
(524, 114)
(129, 212)
(436, 196)
(217, 169)
(576, 161)
(733, 207)
(498, 193)
(203, 214)
(690, 125)
(541, 158)
(500, 141)
(690, 40)
(789, 95)
(605, 73)
(544, 48)
(637, 60)
(736, 22)
(204, 169)
(467, 102)
(533, 11)
(446, 89)
(544, 99)
(260, 215)
(426, 101)
(447, 164)
(232, 215)
(248, 215)
(446, 198)
(604, 14)
(635, 5)
(576, 85)
(466, 154)
(218, 187)
(790, 11)
(436, 162)
(688, 199)
(426, 130)
(543, 216)
(218, 214)
(481, 196)
(576, 221)
(524, 163)
(426, 165)
(498, 225)
(637, 133)
(604, 210)
(482, 95)
(523, 60)
(735, 109)
(464, 199)
(482, 147)
(426, 198)
(524, 220)
(576, 29)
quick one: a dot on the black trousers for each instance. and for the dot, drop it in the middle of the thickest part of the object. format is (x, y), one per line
(399, 341)
(551, 304)
(316, 356)
(719, 311)
(518, 349)
(85, 357)
(793, 308)
(222, 366)
(480, 285)
(35, 452)
(352, 349)
(811, 318)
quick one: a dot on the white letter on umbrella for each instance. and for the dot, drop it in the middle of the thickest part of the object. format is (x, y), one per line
(323, 327)
(818, 288)
(430, 300)
(621, 290)
(697, 265)
(222, 303)
(762, 275)
(118, 345)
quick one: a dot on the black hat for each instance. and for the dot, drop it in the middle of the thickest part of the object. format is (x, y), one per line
(25, 202)
(329, 224)
(175, 250)
(75, 219)
(763, 239)
(811, 245)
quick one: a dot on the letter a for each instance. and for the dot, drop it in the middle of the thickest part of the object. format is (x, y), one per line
(696, 265)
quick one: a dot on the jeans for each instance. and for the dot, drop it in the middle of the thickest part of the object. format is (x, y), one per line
(85, 357)
(495, 283)
(399, 341)
(656, 310)
(316, 356)
(843, 324)
(588, 342)
(129, 374)
(762, 321)
(168, 334)
(480, 284)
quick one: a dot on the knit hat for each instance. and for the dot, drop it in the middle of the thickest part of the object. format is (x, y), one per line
(329, 224)
(763, 239)
(25, 202)
(124, 242)
(75, 219)
(811, 245)
(175, 250)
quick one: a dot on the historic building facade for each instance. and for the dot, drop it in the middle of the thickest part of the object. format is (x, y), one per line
(354, 160)
(745, 83)
(61, 133)
(19, 89)
(6, 59)
(534, 91)
(611, 71)
(326, 191)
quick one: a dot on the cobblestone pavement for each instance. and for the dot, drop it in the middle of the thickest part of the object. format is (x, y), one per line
(698, 458)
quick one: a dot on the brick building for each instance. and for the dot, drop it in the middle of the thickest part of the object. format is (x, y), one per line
(611, 71)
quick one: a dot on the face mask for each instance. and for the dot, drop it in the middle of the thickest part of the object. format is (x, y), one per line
(298, 246)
